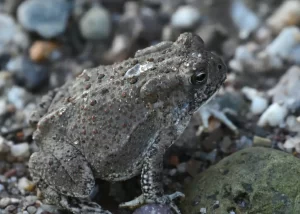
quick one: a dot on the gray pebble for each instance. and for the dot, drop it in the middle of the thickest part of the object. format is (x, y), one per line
(47, 18)
(4, 202)
(185, 17)
(95, 24)
(245, 19)
(8, 30)
(31, 209)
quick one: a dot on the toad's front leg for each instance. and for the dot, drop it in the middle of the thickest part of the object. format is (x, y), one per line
(151, 176)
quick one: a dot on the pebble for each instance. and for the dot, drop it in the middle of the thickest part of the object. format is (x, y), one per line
(284, 43)
(261, 141)
(96, 24)
(181, 168)
(4, 202)
(42, 50)
(47, 18)
(10, 209)
(153, 208)
(273, 116)
(287, 89)
(292, 143)
(293, 124)
(32, 75)
(4, 147)
(8, 30)
(258, 102)
(2, 106)
(294, 55)
(185, 17)
(287, 14)
(31, 209)
(245, 19)
(23, 185)
(16, 95)
(20, 150)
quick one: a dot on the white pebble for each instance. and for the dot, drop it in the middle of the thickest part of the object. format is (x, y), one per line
(20, 150)
(258, 105)
(291, 143)
(258, 102)
(287, 14)
(23, 184)
(245, 19)
(185, 17)
(203, 210)
(273, 116)
(284, 43)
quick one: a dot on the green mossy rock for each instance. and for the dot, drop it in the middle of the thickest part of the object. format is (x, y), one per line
(251, 181)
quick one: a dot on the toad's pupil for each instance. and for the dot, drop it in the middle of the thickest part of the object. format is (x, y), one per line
(220, 67)
(200, 77)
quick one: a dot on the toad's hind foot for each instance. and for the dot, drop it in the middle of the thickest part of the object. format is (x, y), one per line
(83, 207)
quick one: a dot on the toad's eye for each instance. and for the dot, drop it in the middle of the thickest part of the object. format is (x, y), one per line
(198, 78)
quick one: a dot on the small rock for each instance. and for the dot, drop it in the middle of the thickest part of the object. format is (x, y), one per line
(8, 30)
(226, 144)
(31, 210)
(47, 18)
(261, 141)
(4, 202)
(153, 208)
(16, 96)
(4, 147)
(2, 106)
(293, 124)
(23, 185)
(42, 50)
(185, 17)
(245, 19)
(273, 116)
(259, 103)
(294, 55)
(292, 143)
(287, 89)
(181, 168)
(284, 43)
(32, 75)
(96, 24)
(10, 209)
(20, 150)
(286, 15)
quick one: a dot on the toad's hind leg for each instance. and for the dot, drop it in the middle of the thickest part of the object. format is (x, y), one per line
(151, 177)
(65, 179)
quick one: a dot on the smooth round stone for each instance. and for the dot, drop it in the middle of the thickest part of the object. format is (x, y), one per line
(95, 24)
(8, 29)
(32, 75)
(47, 18)
(185, 17)
(253, 180)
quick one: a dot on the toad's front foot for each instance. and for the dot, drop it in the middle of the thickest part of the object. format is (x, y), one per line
(165, 199)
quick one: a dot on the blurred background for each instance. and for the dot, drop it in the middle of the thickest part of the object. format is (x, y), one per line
(44, 43)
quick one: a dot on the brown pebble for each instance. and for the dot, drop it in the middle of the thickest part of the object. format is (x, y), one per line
(41, 50)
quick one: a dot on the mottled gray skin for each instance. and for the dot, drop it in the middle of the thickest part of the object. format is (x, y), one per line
(113, 123)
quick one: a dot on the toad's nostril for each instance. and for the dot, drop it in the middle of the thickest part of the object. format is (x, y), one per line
(220, 67)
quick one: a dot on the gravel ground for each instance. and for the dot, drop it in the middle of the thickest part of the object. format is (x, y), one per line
(45, 43)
